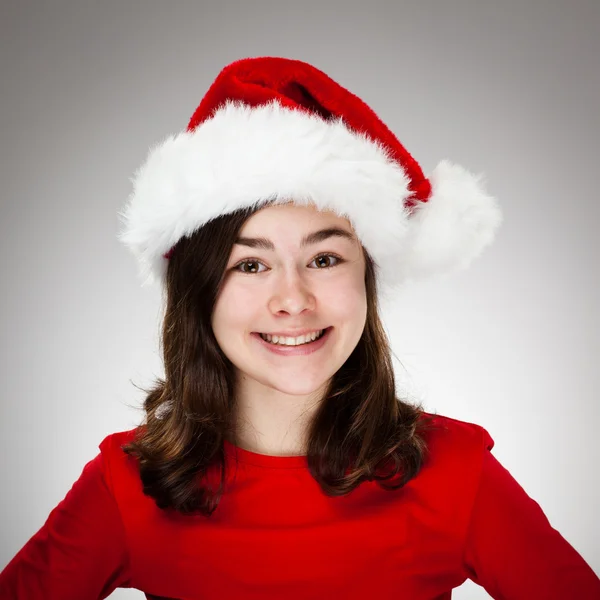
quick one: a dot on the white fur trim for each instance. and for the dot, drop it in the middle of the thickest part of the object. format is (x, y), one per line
(457, 223)
(244, 156)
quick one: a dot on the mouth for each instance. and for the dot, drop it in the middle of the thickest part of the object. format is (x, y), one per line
(299, 350)
(306, 339)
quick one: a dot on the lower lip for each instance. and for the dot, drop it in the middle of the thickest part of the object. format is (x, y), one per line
(295, 350)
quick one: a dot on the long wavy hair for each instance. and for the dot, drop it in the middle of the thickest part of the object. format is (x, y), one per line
(360, 432)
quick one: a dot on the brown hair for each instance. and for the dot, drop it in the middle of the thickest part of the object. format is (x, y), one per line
(360, 427)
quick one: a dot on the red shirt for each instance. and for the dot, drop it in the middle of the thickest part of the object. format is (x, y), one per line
(275, 535)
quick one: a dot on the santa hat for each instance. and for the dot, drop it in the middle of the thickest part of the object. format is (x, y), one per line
(275, 129)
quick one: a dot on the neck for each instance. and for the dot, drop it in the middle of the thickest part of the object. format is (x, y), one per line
(271, 422)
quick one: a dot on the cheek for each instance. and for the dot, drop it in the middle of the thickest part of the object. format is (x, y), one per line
(235, 308)
(347, 298)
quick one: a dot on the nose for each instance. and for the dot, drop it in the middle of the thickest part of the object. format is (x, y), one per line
(292, 294)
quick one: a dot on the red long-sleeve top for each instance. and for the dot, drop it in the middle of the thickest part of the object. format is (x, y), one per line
(276, 535)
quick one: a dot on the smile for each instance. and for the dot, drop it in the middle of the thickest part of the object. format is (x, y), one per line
(290, 341)
(303, 348)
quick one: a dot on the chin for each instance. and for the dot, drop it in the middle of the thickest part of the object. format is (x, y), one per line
(296, 388)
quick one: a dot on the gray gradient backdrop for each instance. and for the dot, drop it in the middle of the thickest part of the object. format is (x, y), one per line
(509, 88)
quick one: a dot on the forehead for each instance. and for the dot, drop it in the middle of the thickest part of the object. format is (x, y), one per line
(290, 213)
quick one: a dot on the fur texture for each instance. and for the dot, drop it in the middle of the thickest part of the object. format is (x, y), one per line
(244, 156)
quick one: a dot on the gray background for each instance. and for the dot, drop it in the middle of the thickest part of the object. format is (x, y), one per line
(509, 88)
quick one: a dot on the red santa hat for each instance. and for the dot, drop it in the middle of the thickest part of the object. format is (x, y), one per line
(275, 129)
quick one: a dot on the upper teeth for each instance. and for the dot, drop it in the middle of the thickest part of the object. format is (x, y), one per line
(290, 341)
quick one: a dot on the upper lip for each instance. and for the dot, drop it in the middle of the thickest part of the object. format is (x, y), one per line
(296, 333)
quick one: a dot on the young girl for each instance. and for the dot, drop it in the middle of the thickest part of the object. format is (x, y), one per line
(275, 460)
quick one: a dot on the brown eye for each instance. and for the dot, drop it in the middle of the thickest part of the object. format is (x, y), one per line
(324, 261)
(253, 266)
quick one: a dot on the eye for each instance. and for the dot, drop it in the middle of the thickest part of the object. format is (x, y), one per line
(250, 261)
(254, 261)
(328, 256)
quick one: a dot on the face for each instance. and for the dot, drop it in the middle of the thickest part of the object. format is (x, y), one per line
(288, 288)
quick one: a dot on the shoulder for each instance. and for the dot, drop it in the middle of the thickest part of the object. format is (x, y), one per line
(451, 470)
(456, 435)
(111, 447)
(113, 441)
(120, 469)
(455, 449)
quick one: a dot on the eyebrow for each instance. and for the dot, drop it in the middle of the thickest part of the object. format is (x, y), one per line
(311, 238)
